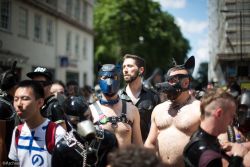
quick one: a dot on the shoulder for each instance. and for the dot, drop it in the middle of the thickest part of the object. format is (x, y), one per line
(123, 95)
(162, 106)
(131, 107)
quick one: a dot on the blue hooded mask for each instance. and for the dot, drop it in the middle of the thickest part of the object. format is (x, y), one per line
(109, 79)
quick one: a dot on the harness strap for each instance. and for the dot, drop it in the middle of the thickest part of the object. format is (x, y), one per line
(98, 109)
(124, 107)
(113, 120)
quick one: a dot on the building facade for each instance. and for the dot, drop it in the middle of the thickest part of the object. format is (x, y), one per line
(229, 41)
(57, 34)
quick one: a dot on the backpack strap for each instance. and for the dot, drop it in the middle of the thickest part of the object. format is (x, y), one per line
(18, 132)
(51, 136)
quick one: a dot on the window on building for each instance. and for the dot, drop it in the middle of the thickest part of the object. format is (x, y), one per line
(77, 9)
(5, 8)
(38, 27)
(77, 46)
(85, 12)
(72, 76)
(243, 71)
(85, 78)
(69, 7)
(68, 42)
(23, 22)
(49, 32)
(84, 50)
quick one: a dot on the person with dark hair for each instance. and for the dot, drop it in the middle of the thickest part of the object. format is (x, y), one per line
(143, 98)
(72, 88)
(51, 108)
(83, 144)
(173, 121)
(218, 109)
(57, 87)
(134, 156)
(88, 93)
(33, 142)
(8, 119)
(112, 113)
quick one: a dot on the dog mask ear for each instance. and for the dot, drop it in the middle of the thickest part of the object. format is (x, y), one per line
(99, 66)
(190, 63)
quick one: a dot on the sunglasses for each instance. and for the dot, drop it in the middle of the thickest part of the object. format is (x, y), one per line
(44, 83)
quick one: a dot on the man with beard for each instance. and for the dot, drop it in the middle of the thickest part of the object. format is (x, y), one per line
(144, 99)
(173, 121)
(112, 113)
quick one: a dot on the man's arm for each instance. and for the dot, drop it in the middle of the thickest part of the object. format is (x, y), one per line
(153, 133)
(136, 129)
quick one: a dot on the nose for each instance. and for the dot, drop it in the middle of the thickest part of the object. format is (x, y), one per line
(109, 81)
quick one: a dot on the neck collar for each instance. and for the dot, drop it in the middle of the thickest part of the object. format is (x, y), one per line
(109, 102)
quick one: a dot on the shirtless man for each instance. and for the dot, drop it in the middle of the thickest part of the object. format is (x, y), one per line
(114, 114)
(173, 121)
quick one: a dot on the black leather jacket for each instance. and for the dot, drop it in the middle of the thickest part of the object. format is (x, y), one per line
(65, 156)
(148, 99)
(203, 150)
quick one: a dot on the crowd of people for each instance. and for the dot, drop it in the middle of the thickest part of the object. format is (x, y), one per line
(151, 123)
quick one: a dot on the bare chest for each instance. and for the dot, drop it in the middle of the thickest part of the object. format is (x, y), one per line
(185, 119)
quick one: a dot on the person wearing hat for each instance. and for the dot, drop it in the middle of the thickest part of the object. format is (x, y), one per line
(51, 108)
(173, 121)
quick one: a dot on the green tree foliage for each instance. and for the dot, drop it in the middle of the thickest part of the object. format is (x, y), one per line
(137, 27)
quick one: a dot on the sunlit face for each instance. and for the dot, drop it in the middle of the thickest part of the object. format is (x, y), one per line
(45, 84)
(130, 70)
(57, 88)
(25, 103)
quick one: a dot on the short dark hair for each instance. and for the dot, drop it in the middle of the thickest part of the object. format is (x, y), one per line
(59, 82)
(140, 62)
(37, 88)
(134, 156)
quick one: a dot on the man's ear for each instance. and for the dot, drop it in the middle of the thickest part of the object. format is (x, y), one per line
(185, 83)
(40, 102)
(218, 112)
(141, 71)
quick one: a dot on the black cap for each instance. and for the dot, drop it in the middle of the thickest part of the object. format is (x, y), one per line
(40, 71)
